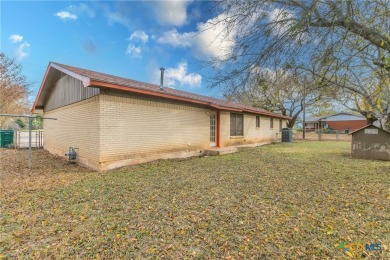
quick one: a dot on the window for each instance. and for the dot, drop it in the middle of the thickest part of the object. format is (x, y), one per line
(257, 122)
(280, 125)
(271, 123)
(236, 124)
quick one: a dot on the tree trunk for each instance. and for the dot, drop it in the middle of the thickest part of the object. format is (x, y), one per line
(294, 118)
(290, 123)
(384, 122)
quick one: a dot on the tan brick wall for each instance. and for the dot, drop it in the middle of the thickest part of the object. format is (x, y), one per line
(251, 133)
(114, 129)
(224, 137)
(135, 128)
(77, 125)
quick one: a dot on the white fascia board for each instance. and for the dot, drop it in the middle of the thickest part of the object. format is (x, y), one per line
(86, 81)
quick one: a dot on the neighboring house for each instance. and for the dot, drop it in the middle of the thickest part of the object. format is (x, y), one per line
(340, 121)
(116, 121)
(371, 142)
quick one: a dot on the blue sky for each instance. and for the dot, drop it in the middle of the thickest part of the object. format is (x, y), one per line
(132, 39)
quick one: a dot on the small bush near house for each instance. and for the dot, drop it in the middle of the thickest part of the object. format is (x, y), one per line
(20, 123)
(328, 130)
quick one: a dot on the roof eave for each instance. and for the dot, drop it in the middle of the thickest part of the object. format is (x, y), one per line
(146, 92)
(368, 126)
(91, 82)
(85, 80)
(40, 88)
(170, 96)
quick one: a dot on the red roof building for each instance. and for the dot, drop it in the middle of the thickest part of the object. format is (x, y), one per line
(340, 122)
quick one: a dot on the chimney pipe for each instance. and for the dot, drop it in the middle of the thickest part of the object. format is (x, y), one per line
(162, 78)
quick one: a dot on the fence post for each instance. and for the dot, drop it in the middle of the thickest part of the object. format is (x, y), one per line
(29, 141)
(41, 139)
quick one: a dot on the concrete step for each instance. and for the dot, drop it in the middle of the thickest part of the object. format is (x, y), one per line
(220, 151)
(251, 145)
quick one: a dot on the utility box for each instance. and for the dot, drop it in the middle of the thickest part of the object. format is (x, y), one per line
(6, 138)
(287, 135)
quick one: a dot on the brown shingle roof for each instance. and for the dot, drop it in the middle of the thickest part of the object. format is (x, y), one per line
(168, 92)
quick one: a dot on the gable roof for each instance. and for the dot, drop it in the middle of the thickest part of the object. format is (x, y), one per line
(315, 119)
(364, 127)
(91, 78)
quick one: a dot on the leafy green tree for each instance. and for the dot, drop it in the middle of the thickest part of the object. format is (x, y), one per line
(20, 123)
(37, 122)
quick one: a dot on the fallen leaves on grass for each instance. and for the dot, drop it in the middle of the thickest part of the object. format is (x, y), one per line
(278, 201)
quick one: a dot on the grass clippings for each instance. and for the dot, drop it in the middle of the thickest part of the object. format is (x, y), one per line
(297, 200)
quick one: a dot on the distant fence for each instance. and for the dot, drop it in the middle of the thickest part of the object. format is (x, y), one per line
(324, 136)
(21, 139)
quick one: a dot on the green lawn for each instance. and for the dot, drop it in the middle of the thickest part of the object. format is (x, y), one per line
(297, 200)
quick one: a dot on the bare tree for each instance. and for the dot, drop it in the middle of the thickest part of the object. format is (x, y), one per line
(339, 42)
(279, 91)
(13, 89)
(362, 85)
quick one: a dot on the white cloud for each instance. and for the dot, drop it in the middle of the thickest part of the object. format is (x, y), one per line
(65, 15)
(139, 35)
(214, 40)
(211, 40)
(118, 13)
(179, 76)
(176, 39)
(21, 50)
(117, 17)
(16, 38)
(133, 51)
(171, 12)
(81, 9)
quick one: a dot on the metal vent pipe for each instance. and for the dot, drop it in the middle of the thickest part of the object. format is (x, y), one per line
(162, 78)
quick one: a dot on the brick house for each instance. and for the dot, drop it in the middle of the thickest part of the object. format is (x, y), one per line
(116, 121)
(339, 121)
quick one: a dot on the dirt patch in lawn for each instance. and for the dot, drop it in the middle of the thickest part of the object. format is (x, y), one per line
(300, 200)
